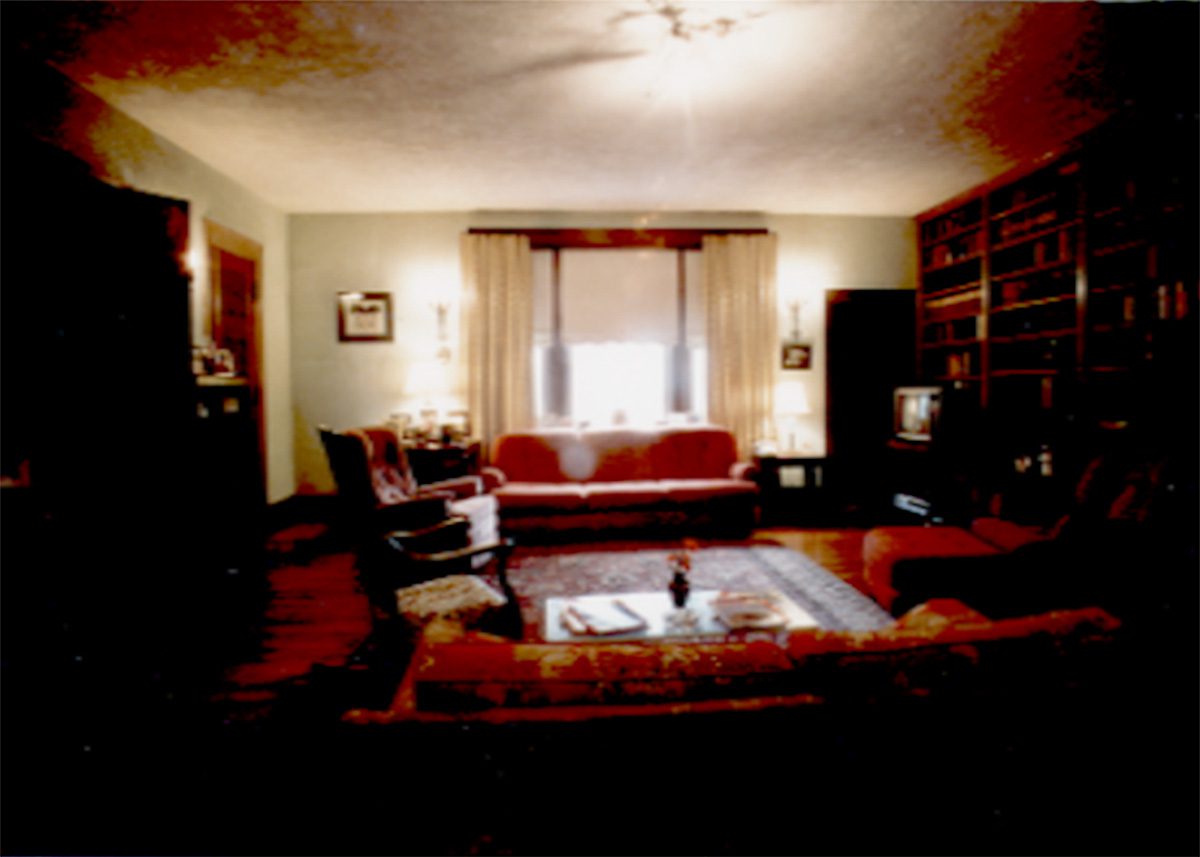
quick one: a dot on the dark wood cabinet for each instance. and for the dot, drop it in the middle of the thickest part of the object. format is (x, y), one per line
(100, 421)
(229, 477)
(869, 350)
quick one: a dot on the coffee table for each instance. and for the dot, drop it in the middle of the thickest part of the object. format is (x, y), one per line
(655, 608)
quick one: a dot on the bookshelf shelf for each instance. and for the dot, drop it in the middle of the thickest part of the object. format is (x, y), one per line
(954, 262)
(1024, 206)
(1033, 236)
(1030, 304)
(1031, 270)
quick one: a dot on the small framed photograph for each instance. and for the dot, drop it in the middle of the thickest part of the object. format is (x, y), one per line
(364, 316)
(797, 355)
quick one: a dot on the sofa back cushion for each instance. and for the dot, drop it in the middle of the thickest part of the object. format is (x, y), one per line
(534, 456)
(619, 455)
(944, 647)
(470, 675)
(615, 455)
(941, 648)
(702, 452)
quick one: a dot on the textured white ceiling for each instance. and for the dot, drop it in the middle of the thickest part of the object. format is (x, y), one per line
(790, 107)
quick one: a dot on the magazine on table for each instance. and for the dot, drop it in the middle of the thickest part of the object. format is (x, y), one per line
(601, 618)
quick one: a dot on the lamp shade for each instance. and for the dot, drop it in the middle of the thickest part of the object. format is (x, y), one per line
(791, 398)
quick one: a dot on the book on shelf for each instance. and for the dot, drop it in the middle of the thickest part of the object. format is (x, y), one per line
(601, 618)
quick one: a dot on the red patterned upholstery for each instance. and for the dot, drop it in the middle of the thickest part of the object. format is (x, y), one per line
(940, 648)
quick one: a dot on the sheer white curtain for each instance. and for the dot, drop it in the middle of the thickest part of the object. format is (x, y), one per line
(743, 334)
(497, 323)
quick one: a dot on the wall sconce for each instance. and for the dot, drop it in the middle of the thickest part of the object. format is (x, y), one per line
(443, 334)
(797, 353)
(795, 308)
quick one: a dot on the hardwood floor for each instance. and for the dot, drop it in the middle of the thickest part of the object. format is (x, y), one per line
(837, 550)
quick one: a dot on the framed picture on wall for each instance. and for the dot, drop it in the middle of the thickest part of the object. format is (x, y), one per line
(797, 355)
(364, 316)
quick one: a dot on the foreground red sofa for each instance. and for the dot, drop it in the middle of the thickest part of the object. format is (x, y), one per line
(941, 649)
(671, 479)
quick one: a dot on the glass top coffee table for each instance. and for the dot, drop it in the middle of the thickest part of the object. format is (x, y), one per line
(653, 616)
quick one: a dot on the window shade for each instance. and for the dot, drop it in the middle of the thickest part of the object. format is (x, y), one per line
(611, 295)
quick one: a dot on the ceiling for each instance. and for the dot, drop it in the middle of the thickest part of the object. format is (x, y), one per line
(863, 108)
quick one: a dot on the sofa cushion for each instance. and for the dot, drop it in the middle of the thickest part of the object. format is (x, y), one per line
(697, 490)
(537, 496)
(883, 547)
(599, 496)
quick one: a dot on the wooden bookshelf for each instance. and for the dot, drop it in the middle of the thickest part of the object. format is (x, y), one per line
(1064, 281)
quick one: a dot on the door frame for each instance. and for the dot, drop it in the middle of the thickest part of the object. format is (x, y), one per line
(223, 239)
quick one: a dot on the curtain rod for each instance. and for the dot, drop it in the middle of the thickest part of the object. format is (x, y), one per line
(670, 239)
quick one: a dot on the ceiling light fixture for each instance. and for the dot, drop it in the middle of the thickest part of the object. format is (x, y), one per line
(683, 22)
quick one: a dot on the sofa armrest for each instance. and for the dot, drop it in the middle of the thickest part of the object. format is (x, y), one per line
(1007, 535)
(745, 470)
(493, 478)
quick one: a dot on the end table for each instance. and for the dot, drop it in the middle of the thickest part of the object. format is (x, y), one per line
(791, 488)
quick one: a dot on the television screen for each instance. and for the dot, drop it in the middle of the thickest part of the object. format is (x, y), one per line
(916, 412)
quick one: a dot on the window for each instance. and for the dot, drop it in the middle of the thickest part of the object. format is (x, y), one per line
(618, 336)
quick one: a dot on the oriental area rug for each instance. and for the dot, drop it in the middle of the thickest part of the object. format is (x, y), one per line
(834, 603)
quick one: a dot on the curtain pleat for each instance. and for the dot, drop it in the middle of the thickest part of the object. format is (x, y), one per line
(497, 310)
(743, 334)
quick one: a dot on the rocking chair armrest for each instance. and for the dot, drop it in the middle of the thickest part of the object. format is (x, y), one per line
(422, 532)
(502, 549)
(412, 514)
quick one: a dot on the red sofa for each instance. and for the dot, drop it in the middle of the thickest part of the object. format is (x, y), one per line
(558, 481)
(1127, 509)
(941, 649)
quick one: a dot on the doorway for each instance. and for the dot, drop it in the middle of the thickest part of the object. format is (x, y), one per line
(234, 406)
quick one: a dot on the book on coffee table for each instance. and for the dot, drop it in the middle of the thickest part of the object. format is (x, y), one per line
(601, 618)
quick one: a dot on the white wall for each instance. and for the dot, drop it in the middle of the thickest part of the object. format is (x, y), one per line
(126, 153)
(415, 256)
(344, 384)
(820, 252)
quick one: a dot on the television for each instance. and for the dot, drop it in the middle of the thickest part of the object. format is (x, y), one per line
(916, 413)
